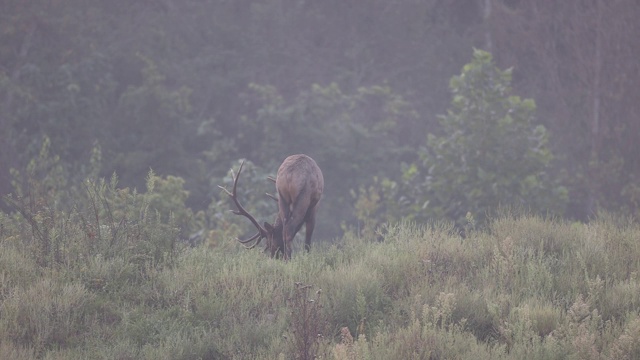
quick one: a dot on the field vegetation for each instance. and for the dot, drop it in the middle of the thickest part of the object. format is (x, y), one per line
(109, 277)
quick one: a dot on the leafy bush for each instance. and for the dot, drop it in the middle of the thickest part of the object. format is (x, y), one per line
(107, 278)
(489, 154)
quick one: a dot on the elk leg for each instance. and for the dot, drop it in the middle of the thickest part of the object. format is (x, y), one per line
(296, 216)
(309, 225)
(284, 212)
(283, 209)
(287, 251)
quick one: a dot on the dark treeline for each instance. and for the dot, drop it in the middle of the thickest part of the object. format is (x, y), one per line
(374, 91)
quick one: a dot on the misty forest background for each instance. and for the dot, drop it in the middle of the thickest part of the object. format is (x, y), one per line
(482, 178)
(375, 92)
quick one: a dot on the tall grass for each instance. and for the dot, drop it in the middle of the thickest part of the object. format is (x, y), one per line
(107, 279)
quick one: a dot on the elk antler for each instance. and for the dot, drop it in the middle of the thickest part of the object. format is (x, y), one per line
(271, 178)
(262, 232)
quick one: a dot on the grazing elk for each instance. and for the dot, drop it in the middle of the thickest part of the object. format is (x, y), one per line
(299, 184)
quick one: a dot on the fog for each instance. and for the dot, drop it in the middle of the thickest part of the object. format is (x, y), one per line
(188, 88)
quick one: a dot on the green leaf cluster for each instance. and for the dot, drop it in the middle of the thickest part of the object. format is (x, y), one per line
(489, 152)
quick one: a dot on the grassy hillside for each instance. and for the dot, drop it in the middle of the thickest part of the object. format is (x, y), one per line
(108, 280)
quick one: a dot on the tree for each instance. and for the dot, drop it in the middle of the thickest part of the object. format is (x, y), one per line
(490, 152)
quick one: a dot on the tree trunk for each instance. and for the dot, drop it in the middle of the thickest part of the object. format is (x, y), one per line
(594, 176)
(486, 15)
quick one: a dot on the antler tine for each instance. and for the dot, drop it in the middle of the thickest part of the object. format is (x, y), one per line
(243, 242)
(241, 211)
(235, 178)
(272, 179)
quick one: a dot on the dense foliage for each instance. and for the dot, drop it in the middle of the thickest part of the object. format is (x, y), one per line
(109, 278)
(187, 88)
(490, 152)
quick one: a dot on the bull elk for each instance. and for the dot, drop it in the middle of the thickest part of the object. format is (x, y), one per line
(299, 184)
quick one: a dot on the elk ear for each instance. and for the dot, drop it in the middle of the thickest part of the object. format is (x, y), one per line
(268, 226)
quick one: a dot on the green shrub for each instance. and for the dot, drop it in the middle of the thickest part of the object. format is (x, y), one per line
(489, 153)
(116, 283)
(46, 314)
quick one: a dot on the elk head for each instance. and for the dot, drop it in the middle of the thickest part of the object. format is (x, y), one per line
(273, 233)
(299, 184)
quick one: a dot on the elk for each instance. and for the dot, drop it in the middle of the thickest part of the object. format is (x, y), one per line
(299, 184)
